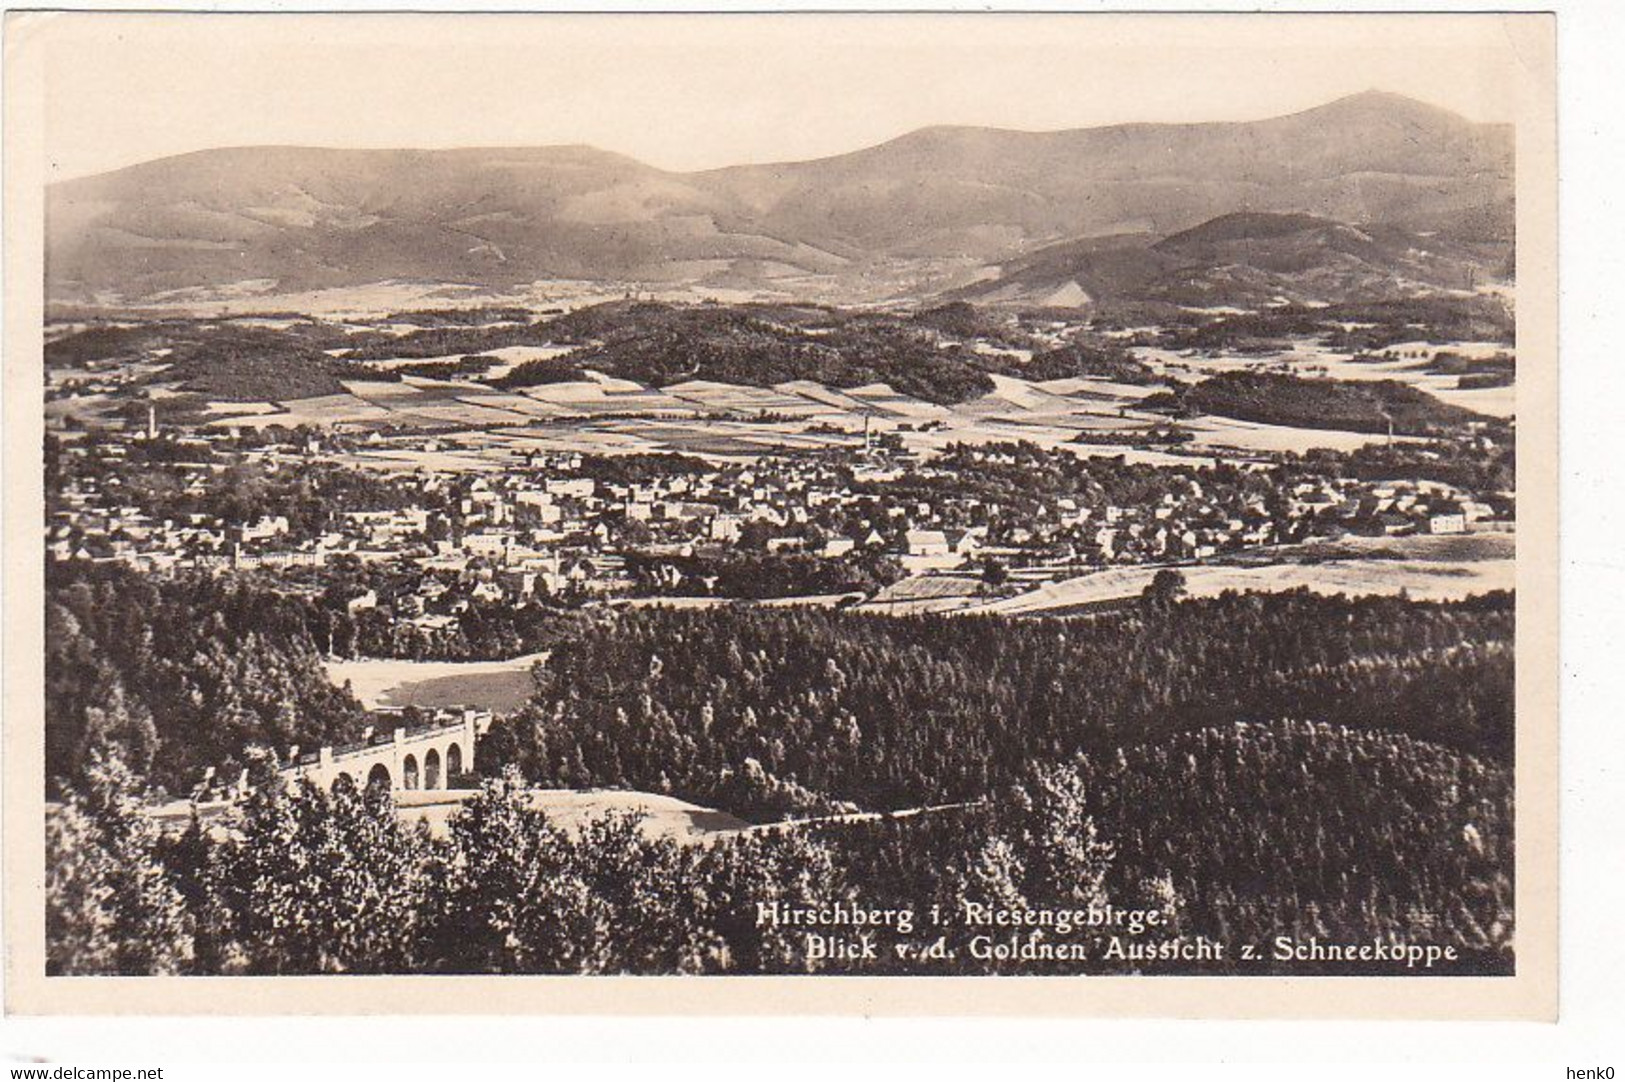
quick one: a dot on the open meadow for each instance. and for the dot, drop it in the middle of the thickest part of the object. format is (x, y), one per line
(498, 686)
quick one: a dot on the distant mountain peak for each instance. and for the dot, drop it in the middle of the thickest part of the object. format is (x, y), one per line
(1246, 225)
(1383, 104)
(910, 217)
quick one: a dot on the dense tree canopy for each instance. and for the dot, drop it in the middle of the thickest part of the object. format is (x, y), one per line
(1236, 834)
(768, 712)
(178, 675)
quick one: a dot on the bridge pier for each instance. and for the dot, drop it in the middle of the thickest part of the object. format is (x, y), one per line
(428, 758)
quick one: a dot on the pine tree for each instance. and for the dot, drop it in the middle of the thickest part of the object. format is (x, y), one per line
(1067, 861)
(110, 907)
(313, 883)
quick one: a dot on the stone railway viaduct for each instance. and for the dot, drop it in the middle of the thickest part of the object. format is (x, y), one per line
(424, 756)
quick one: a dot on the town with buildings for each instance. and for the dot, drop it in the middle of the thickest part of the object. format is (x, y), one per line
(554, 527)
(533, 560)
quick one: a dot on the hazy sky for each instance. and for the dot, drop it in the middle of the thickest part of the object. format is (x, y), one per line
(692, 92)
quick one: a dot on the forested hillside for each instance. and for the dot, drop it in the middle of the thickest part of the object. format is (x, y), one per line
(809, 711)
(1277, 399)
(801, 711)
(662, 344)
(176, 675)
(1245, 832)
(1236, 834)
(1138, 758)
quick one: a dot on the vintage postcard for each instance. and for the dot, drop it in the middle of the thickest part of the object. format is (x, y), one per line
(886, 513)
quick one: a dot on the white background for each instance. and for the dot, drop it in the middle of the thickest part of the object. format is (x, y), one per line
(1592, 73)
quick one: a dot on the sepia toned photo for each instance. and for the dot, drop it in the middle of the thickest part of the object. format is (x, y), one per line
(1027, 500)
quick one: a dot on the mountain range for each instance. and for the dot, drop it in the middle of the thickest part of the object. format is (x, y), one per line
(1369, 192)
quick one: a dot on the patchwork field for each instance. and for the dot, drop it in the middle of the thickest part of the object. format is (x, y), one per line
(499, 686)
(819, 601)
(508, 357)
(569, 809)
(730, 421)
(1427, 568)
(1309, 358)
(1228, 434)
(924, 594)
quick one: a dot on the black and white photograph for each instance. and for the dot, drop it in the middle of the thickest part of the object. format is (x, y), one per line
(791, 496)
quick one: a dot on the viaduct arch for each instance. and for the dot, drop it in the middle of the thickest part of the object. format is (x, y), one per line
(425, 757)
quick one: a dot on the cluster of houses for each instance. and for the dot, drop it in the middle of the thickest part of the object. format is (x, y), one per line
(563, 524)
(1408, 507)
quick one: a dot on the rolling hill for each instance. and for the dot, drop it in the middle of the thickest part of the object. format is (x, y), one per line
(1255, 257)
(1279, 399)
(930, 210)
